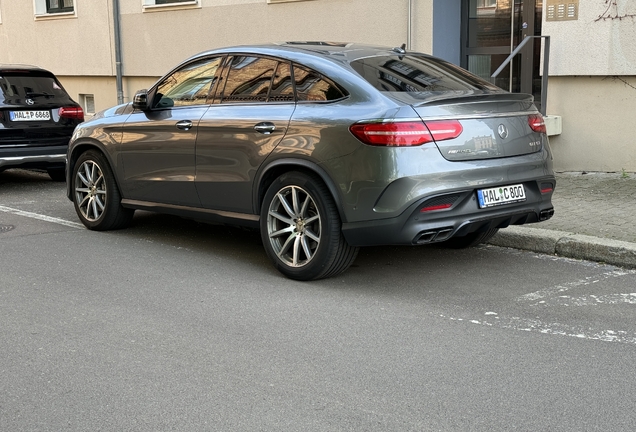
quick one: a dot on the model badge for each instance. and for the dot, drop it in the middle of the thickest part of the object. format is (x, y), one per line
(503, 131)
(29, 101)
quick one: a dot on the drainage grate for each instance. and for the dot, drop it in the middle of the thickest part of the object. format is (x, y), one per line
(5, 228)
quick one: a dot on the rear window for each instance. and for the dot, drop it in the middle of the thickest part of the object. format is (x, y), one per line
(20, 85)
(413, 74)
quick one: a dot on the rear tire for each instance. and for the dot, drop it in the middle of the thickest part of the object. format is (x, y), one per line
(301, 229)
(469, 240)
(95, 194)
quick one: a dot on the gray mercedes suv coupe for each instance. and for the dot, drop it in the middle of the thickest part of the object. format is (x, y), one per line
(324, 147)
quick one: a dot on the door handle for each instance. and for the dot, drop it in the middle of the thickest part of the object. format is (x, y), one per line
(184, 125)
(265, 128)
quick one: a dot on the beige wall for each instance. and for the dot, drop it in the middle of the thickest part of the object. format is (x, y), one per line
(593, 46)
(79, 49)
(76, 45)
(104, 89)
(598, 123)
(597, 112)
(156, 41)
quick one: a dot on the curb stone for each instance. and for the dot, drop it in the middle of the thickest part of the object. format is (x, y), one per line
(567, 244)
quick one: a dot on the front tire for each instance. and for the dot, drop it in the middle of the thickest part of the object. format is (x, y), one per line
(95, 194)
(301, 229)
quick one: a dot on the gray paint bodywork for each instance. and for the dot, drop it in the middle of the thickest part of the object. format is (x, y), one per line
(220, 168)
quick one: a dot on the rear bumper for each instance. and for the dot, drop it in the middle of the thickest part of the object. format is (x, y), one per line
(414, 227)
(32, 157)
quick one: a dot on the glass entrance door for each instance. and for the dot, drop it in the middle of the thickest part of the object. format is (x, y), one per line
(491, 29)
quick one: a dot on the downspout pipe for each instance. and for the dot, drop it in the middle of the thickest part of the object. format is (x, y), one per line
(118, 64)
(409, 24)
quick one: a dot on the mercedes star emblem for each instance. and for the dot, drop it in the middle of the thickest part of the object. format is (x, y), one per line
(503, 131)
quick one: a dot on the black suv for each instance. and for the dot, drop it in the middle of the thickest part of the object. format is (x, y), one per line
(37, 119)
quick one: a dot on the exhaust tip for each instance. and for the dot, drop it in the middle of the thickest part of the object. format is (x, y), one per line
(437, 235)
(546, 214)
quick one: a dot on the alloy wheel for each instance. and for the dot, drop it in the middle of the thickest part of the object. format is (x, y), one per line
(90, 190)
(293, 226)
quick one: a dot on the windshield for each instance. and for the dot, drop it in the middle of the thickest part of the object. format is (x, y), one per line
(418, 73)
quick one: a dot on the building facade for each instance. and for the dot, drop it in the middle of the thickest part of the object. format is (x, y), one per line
(591, 98)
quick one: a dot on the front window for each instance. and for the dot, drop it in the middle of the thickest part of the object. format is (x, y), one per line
(190, 85)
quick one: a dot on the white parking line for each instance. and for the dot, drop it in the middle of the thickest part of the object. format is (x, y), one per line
(41, 217)
(555, 296)
(556, 290)
(558, 329)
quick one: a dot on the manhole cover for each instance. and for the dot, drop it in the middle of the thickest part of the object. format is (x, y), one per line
(5, 228)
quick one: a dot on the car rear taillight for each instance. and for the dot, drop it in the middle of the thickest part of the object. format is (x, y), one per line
(536, 123)
(546, 188)
(72, 113)
(436, 207)
(405, 134)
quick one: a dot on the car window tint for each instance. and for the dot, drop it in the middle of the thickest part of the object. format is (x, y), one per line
(282, 86)
(189, 85)
(249, 79)
(311, 86)
(412, 73)
(16, 87)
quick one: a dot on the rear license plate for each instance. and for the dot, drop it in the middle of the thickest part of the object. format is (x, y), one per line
(501, 195)
(30, 115)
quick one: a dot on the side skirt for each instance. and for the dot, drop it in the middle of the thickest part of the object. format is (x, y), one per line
(196, 213)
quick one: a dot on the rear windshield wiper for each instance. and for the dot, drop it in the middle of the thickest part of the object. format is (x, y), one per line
(43, 94)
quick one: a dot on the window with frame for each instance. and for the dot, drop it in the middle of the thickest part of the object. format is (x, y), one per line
(486, 3)
(312, 87)
(249, 79)
(169, 2)
(59, 6)
(88, 103)
(188, 86)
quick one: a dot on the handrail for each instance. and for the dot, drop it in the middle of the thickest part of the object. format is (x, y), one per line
(546, 60)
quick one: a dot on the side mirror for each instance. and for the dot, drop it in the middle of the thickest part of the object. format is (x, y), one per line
(140, 101)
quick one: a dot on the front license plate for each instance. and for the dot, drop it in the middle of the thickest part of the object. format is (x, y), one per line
(501, 195)
(30, 115)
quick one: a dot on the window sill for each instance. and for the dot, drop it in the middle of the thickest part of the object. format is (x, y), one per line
(53, 16)
(192, 4)
(283, 1)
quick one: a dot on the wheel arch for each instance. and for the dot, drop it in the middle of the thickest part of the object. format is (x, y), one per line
(74, 154)
(278, 167)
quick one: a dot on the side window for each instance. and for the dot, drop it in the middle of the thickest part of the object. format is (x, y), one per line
(249, 79)
(311, 86)
(189, 85)
(282, 86)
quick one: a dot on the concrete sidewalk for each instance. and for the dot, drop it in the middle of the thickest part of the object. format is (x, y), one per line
(594, 219)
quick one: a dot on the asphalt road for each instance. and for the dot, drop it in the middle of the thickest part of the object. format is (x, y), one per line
(175, 325)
